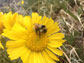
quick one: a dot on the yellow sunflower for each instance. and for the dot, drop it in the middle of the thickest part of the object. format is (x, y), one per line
(35, 40)
(7, 20)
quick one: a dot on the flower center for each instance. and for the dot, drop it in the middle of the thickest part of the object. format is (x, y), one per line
(37, 40)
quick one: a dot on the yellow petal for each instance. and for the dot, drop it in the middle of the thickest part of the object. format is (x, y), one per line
(15, 44)
(42, 59)
(25, 56)
(52, 55)
(56, 36)
(27, 21)
(49, 23)
(56, 51)
(52, 27)
(9, 19)
(38, 58)
(46, 21)
(48, 59)
(15, 53)
(31, 58)
(17, 33)
(56, 43)
(36, 18)
(1, 23)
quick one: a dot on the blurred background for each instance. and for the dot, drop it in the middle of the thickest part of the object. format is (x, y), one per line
(69, 14)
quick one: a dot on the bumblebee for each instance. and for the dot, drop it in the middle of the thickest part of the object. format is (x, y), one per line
(40, 29)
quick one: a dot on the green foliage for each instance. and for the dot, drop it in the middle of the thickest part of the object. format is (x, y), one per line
(70, 38)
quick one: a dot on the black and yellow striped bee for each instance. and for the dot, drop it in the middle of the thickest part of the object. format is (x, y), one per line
(40, 29)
